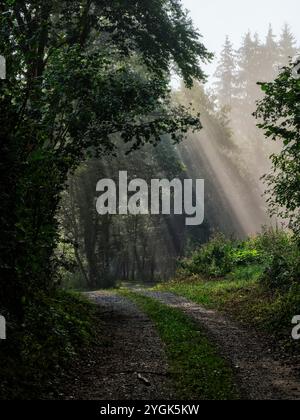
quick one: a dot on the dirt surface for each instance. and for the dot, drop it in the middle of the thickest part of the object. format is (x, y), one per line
(128, 365)
(260, 375)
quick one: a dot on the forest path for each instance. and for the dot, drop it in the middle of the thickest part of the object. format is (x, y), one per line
(129, 363)
(260, 375)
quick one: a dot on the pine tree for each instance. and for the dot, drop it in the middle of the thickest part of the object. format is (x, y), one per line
(287, 46)
(270, 57)
(250, 57)
(225, 75)
(250, 71)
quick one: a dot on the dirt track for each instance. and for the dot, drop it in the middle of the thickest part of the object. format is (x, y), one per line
(259, 374)
(129, 365)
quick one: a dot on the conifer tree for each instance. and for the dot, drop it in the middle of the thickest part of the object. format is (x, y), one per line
(287, 46)
(225, 75)
(249, 71)
(270, 57)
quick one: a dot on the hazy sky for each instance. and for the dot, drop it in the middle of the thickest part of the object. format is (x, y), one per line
(218, 18)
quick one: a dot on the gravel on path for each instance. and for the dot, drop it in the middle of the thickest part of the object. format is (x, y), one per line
(260, 374)
(129, 364)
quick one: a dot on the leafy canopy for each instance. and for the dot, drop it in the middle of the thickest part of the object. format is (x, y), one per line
(80, 74)
(279, 115)
(102, 67)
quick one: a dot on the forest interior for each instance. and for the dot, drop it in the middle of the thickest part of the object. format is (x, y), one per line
(105, 293)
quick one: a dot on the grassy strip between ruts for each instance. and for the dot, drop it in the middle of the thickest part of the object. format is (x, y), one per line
(198, 372)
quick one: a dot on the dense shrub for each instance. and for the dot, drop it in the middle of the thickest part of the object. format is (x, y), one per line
(219, 257)
(282, 263)
(244, 255)
(56, 328)
(259, 280)
(270, 240)
(212, 259)
(276, 252)
(281, 311)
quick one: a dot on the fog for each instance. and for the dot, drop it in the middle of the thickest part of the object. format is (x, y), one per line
(230, 153)
(251, 42)
(234, 18)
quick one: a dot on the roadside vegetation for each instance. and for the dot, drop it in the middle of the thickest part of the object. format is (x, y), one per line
(196, 369)
(256, 280)
(38, 353)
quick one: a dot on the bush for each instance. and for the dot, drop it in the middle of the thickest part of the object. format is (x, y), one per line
(220, 256)
(271, 240)
(283, 268)
(245, 256)
(213, 259)
(276, 252)
(280, 312)
(56, 328)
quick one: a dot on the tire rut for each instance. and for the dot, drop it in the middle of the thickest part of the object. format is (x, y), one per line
(259, 375)
(130, 364)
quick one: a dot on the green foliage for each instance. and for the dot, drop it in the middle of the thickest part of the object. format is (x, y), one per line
(242, 296)
(212, 259)
(278, 313)
(219, 257)
(244, 256)
(198, 372)
(215, 294)
(279, 118)
(78, 73)
(271, 239)
(276, 252)
(262, 288)
(56, 327)
(283, 265)
(55, 330)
